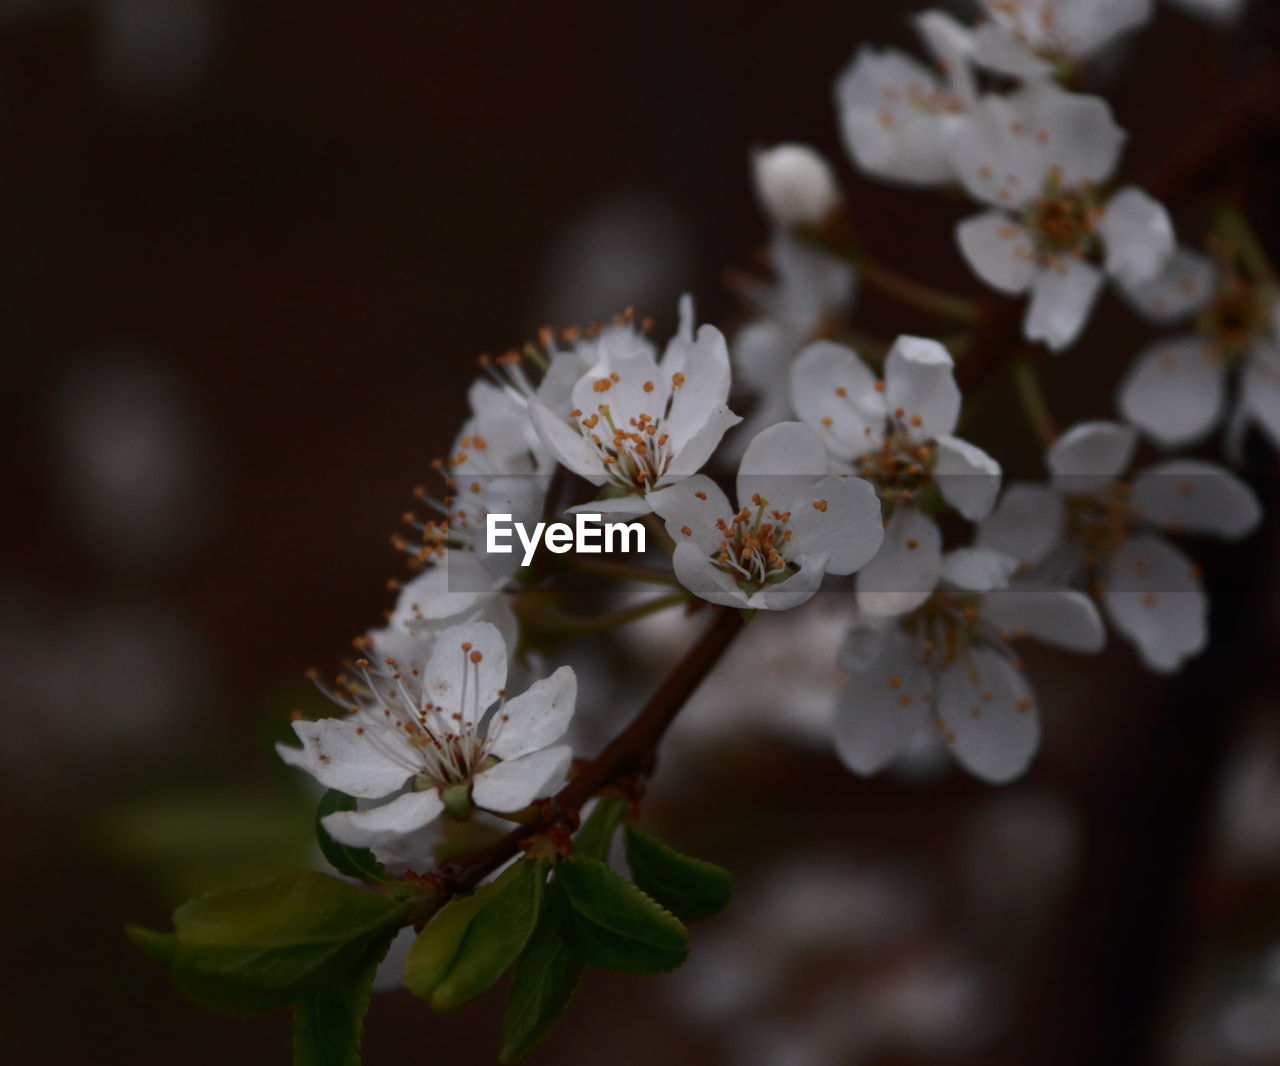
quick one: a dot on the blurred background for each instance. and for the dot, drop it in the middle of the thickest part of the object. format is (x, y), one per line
(250, 251)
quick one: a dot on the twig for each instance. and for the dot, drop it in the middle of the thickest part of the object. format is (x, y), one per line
(1030, 392)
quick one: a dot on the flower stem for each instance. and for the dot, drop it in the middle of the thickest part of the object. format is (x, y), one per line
(625, 571)
(602, 623)
(839, 240)
(1234, 229)
(1031, 393)
(940, 304)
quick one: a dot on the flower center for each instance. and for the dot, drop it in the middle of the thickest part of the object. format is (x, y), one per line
(899, 468)
(1063, 220)
(1099, 522)
(756, 545)
(1237, 317)
(945, 624)
(440, 747)
(637, 452)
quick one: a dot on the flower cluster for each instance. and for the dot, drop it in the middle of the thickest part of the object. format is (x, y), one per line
(855, 474)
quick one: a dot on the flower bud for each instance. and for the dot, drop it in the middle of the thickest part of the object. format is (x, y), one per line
(795, 184)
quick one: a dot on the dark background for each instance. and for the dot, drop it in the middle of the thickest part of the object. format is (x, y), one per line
(248, 255)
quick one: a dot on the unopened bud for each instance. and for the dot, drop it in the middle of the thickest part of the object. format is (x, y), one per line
(795, 184)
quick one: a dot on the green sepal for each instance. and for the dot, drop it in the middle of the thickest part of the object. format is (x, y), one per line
(544, 982)
(614, 925)
(593, 839)
(160, 946)
(354, 862)
(689, 888)
(328, 1024)
(473, 940)
(244, 951)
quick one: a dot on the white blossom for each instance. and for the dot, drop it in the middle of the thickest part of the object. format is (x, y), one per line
(948, 666)
(443, 726)
(496, 465)
(1091, 528)
(1038, 158)
(618, 415)
(1040, 38)
(900, 117)
(794, 184)
(898, 433)
(793, 524)
(1176, 390)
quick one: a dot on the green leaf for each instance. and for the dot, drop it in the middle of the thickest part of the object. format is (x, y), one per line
(244, 951)
(545, 979)
(593, 839)
(160, 946)
(473, 940)
(614, 925)
(689, 888)
(328, 1025)
(354, 862)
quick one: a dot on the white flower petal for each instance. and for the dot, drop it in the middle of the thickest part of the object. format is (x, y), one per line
(885, 704)
(336, 753)
(978, 569)
(999, 250)
(537, 717)
(694, 504)
(1088, 25)
(996, 49)
(467, 670)
(1260, 390)
(515, 783)
(695, 452)
(990, 719)
(950, 42)
(1192, 496)
(1062, 296)
(1062, 617)
(447, 591)
(566, 443)
(697, 573)
(996, 165)
(705, 366)
(1175, 392)
(1081, 137)
(920, 379)
(1026, 523)
(612, 507)
(891, 126)
(968, 478)
(1137, 237)
(797, 589)
(905, 571)
(1183, 287)
(378, 827)
(848, 524)
(1013, 143)
(1154, 598)
(1090, 455)
(777, 461)
(848, 421)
